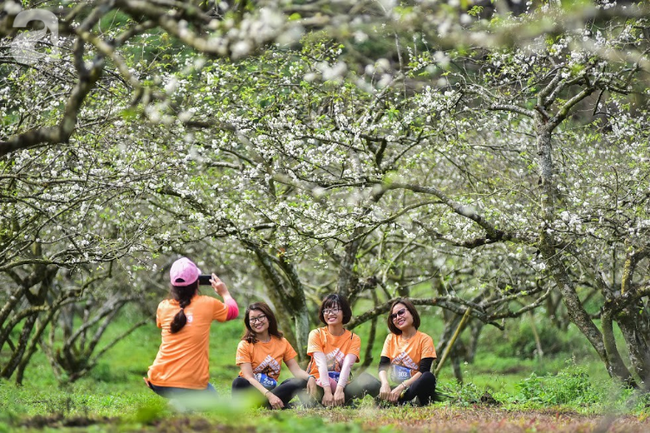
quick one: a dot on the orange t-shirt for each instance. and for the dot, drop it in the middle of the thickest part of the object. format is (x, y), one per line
(334, 348)
(408, 354)
(182, 360)
(265, 358)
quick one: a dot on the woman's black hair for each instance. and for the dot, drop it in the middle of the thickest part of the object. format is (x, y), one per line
(250, 335)
(184, 295)
(338, 301)
(409, 306)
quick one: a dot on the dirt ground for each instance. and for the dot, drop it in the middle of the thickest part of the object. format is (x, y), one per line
(490, 420)
(434, 419)
(494, 420)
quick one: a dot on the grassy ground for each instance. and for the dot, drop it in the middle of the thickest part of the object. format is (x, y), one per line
(500, 393)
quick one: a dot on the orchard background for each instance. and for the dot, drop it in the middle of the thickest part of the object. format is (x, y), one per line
(489, 160)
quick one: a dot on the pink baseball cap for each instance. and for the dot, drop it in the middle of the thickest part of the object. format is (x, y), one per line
(184, 272)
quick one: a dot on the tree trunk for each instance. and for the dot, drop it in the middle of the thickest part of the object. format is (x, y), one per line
(609, 341)
(367, 359)
(456, 366)
(553, 258)
(348, 278)
(286, 317)
(299, 307)
(634, 328)
(9, 307)
(36, 339)
(538, 342)
(23, 341)
(634, 319)
(476, 327)
(302, 328)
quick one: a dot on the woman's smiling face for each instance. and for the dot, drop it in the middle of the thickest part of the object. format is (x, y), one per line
(258, 321)
(401, 317)
(333, 315)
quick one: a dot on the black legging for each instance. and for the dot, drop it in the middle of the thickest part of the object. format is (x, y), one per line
(285, 391)
(424, 388)
(362, 385)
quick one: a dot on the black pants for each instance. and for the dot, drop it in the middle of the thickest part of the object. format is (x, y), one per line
(362, 385)
(424, 388)
(285, 391)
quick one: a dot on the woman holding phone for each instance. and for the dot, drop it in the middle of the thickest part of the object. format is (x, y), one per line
(406, 358)
(260, 354)
(181, 366)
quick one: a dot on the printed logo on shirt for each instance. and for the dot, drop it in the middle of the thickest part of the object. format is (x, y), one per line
(269, 366)
(405, 360)
(334, 360)
(190, 318)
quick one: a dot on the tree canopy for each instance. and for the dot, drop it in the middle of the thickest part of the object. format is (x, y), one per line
(497, 157)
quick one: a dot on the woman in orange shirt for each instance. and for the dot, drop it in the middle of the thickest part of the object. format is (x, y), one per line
(407, 356)
(182, 363)
(333, 350)
(260, 355)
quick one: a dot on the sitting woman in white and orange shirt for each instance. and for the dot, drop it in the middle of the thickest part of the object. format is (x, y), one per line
(333, 350)
(260, 354)
(407, 356)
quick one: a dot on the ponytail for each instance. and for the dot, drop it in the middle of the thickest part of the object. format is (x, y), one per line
(184, 296)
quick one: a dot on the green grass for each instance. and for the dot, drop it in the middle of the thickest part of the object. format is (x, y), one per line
(115, 392)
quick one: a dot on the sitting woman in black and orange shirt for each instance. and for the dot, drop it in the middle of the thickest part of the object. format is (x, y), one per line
(406, 357)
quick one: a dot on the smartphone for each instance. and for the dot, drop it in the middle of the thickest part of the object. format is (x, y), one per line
(204, 280)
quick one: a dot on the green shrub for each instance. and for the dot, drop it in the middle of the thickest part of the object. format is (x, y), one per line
(571, 386)
(462, 394)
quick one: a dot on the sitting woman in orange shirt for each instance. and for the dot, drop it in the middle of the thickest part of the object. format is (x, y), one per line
(333, 350)
(182, 364)
(260, 355)
(407, 356)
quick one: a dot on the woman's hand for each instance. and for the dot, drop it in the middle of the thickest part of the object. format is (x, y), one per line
(312, 387)
(395, 393)
(328, 398)
(274, 400)
(339, 396)
(219, 286)
(384, 391)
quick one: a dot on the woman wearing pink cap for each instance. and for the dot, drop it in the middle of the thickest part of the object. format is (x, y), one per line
(182, 364)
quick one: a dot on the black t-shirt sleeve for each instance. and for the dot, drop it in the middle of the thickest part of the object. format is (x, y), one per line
(384, 363)
(425, 364)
